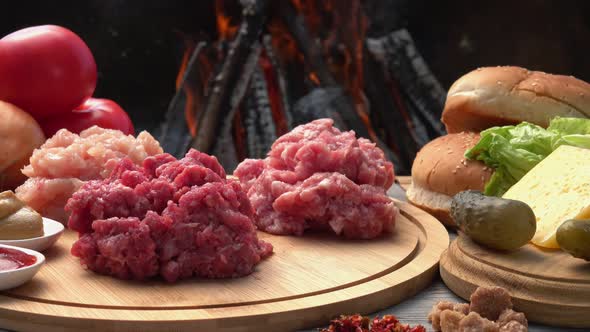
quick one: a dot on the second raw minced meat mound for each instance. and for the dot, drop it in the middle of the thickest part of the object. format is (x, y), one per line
(317, 177)
(168, 217)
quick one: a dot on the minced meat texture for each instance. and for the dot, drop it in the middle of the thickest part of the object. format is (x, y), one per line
(49, 196)
(172, 218)
(332, 201)
(316, 177)
(67, 160)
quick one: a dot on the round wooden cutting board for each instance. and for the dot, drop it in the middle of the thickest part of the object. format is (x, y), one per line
(549, 286)
(306, 282)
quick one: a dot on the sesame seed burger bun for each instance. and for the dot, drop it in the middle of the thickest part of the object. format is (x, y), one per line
(440, 171)
(495, 96)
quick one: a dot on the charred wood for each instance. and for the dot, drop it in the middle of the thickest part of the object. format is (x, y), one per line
(257, 119)
(329, 102)
(386, 16)
(386, 114)
(239, 135)
(230, 83)
(175, 136)
(310, 47)
(281, 84)
(401, 61)
(320, 103)
(296, 82)
(223, 144)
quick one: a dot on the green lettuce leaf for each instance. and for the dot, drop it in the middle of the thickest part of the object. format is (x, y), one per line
(514, 150)
(499, 183)
(570, 131)
(569, 126)
(581, 141)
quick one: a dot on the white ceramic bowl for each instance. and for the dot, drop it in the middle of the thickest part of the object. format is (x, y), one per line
(14, 278)
(52, 230)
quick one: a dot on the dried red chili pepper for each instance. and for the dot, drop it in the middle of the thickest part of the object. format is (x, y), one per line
(358, 323)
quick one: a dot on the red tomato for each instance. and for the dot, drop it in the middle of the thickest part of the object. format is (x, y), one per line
(100, 112)
(46, 70)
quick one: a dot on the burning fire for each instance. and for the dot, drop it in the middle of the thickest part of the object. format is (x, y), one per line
(225, 27)
(194, 87)
(337, 30)
(276, 105)
(340, 27)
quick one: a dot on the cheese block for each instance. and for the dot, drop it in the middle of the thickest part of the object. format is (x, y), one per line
(557, 189)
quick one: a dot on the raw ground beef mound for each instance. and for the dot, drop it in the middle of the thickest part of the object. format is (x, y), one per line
(317, 177)
(174, 218)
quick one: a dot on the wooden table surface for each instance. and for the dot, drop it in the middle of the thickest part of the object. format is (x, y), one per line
(414, 310)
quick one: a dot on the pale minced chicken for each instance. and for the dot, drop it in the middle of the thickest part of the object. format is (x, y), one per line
(67, 160)
(317, 177)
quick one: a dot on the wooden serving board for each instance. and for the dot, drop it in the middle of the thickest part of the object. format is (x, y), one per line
(549, 286)
(404, 181)
(306, 282)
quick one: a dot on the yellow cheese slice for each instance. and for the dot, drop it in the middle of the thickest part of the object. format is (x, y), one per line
(557, 189)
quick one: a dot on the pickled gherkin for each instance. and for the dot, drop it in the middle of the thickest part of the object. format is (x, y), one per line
(494, 222)
(573, 236)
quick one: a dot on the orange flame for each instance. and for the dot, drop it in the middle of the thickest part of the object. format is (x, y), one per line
(314, 78)
(194, 86)
(342, 26)
(274, 95)
(183, 64)
(339, 25)
(225, 28)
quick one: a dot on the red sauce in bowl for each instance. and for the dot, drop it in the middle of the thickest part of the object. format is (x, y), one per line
(12, 259)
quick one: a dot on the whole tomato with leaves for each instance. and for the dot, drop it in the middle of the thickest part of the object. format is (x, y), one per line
(100, 112)
(46, 70)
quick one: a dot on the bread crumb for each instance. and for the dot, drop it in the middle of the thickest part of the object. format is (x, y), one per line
(476, 323)
(489, 302)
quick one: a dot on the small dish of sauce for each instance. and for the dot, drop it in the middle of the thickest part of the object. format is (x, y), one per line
(18, 265)
(12, 259)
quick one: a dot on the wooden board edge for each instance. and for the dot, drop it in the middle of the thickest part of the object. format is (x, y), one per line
(542, 301)
(379, 293)
(404, 181)
(271, 321)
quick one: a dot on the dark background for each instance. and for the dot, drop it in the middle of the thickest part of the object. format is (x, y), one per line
(138, 44)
